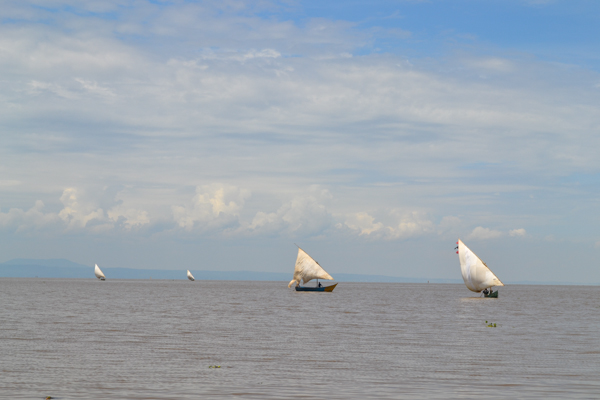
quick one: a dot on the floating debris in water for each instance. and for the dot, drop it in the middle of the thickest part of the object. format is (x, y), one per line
(490, 325)
(214, 366)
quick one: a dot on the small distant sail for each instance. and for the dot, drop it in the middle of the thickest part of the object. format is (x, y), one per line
(99, 273)
(307, 269)
(475, 273)
(190, 276)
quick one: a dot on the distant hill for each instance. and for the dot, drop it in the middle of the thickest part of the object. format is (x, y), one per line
(61, 268)
(55, 268)
(54, 262)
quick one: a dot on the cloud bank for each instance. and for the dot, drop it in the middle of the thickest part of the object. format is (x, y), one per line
(243, 120)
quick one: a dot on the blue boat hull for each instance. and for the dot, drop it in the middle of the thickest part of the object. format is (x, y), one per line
(315, 289)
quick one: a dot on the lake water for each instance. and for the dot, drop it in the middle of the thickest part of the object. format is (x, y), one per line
(151, 339)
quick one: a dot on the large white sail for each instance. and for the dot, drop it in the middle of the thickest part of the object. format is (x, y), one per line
(190, 276)
(475, 273)
(99, 273)
(307, 269)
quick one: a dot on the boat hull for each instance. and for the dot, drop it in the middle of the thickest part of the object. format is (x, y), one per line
(315, 289)
(492, 295)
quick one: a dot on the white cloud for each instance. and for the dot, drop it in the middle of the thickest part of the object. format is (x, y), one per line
(303, 216)
(213, 206)
(163, 98)
(130, 217)
(364, 223)
(21, 221)
(401, 225)
(36, 87)
(94, 88)
(240, 56)
(448, 224)
(9, 183)
(79, 213)
(412, 224)
(491, 64)
(517, 232)
(481, 233)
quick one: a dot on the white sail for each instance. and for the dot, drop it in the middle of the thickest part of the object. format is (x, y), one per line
(475, 273)
(307, 269)
(99, 273)
(190, 276)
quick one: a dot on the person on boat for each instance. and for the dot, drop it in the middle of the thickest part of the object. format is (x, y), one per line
(320, 284)
(485, 292)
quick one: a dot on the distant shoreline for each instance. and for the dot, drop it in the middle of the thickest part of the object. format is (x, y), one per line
(65, 269)
(437, 282)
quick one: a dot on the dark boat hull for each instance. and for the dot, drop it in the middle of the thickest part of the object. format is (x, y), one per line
(493, 295)
(315, 289)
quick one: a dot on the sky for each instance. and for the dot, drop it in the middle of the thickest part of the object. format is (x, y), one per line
(218, 135)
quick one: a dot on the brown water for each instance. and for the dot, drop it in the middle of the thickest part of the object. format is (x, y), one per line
(127, 339)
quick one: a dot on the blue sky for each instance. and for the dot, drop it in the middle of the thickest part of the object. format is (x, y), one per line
(215, 135)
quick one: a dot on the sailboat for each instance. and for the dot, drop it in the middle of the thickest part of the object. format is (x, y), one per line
(306, 270)
(190, 276)
(99, 273)
(476, 274)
